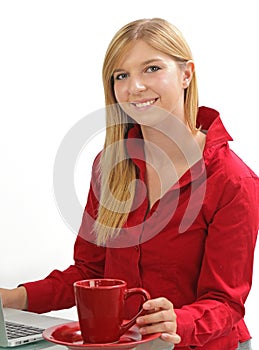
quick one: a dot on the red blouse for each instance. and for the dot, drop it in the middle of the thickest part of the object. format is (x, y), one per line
(195, 246)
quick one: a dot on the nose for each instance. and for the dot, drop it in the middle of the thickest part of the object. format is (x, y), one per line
(136, 85)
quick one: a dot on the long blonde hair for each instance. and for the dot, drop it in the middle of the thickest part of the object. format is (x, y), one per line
(117, 171)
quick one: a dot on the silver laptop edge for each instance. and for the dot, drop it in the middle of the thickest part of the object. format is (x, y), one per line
(24, 318)
(3, 336)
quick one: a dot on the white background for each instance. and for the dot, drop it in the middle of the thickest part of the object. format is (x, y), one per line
(51, 56)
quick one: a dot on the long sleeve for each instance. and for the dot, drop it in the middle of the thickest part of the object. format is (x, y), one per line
(56, 290)
(226, 271)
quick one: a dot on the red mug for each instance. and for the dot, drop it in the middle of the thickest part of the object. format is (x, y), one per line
(100, 306)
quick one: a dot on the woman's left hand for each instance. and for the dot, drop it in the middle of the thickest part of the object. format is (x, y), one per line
(160, 317)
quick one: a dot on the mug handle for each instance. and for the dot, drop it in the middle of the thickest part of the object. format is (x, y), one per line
(129, 292)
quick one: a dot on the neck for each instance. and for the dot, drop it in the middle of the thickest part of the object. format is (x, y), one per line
(159, 147)
(172, 140)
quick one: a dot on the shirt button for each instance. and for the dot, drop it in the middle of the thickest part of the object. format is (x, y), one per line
(137, 248)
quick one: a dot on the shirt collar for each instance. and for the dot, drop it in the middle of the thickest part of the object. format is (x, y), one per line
(208, 119)
(210, 122)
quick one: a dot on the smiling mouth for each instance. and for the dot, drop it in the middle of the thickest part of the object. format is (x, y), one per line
(144, 104)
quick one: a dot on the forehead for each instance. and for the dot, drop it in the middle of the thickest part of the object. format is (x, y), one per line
(138, 52)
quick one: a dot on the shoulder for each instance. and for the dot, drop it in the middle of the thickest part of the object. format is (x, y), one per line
(96, 164)
(232, 188)
(229, 179)
(225, 163)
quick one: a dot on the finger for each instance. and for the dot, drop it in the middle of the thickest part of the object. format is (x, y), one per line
(155, 317)
(163, 327)
(171, 338)
(158, 303)
(151, 311)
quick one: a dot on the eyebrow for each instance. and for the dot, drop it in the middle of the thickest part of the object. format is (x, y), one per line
(143, 64)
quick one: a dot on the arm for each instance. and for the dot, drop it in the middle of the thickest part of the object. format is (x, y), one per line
(226, 272)
(56, 290)
(15, 298)
(225, 276)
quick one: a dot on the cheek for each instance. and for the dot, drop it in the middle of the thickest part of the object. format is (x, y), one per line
(120, 93)
(171, 88)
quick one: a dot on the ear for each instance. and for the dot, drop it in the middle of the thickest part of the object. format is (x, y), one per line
(188, 71)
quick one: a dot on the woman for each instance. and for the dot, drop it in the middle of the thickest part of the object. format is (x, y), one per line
(170, 207)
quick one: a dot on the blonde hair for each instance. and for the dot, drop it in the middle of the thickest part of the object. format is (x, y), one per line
(117, 171)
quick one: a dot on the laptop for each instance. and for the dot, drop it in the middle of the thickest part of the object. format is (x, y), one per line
(22, 327)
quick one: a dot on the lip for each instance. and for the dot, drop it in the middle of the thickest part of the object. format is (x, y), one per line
(142, 104)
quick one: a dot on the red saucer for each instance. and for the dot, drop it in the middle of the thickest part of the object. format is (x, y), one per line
(69, 335)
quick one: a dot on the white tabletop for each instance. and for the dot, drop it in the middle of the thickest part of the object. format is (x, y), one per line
(37, 346)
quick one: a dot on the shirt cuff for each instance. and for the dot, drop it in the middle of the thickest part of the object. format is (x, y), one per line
(185, 326)
(38, 294)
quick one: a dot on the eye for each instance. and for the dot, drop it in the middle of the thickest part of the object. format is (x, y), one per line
(152, 69)
(121, 76)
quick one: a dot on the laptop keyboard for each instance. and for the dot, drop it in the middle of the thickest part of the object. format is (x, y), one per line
(15, 330)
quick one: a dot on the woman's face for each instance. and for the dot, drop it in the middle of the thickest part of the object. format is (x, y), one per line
(146, 78)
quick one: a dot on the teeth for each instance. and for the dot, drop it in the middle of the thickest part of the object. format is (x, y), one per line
(144, 104)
